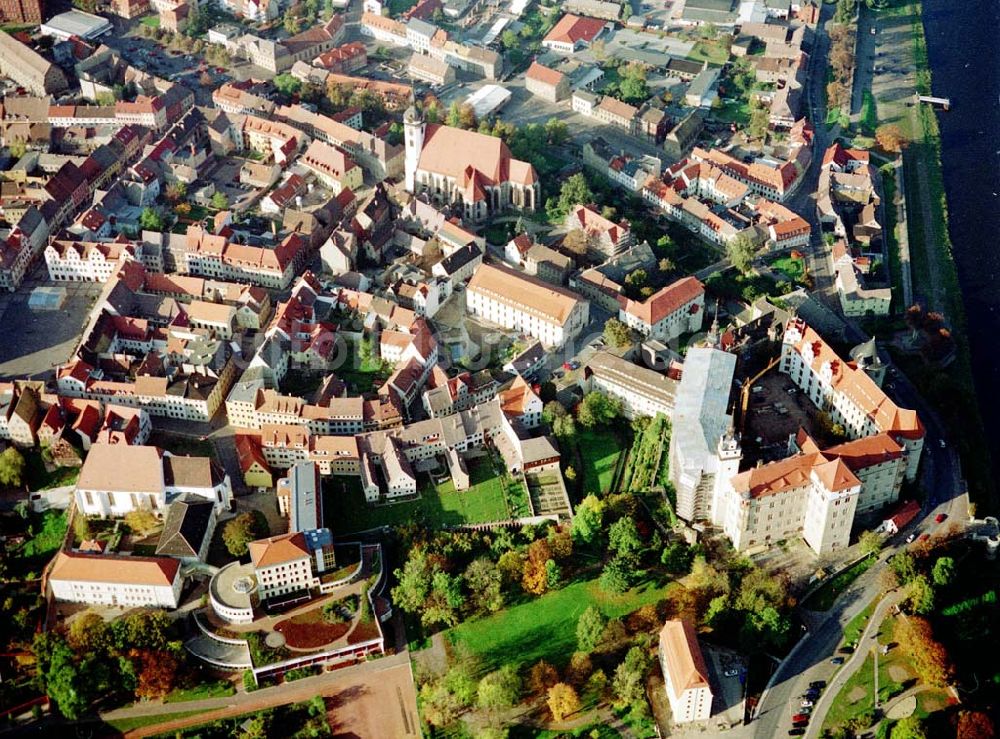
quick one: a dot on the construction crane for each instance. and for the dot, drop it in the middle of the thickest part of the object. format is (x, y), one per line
(745, 391)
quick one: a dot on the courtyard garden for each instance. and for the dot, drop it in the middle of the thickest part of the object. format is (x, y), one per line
(491, 497)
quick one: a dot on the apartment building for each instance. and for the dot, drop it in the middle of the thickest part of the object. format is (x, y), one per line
(81, 261)
(534, 307)
(605, 238)
(848, 393)
(642, 391)
(676, 309)
(547, 83)
(333, 167)
(685, 674)
(123, 582)
(282, 565)
(28, 68)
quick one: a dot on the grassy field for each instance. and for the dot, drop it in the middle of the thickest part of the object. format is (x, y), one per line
(545, 628)
(734, 111)
(438, 505)
(39, 478)
(128, 724)
(201, 692)
(599, 452)
(893, 665)
(793, 269)
(823, 599)
(182, 445)
(153, 21)
(713, 52)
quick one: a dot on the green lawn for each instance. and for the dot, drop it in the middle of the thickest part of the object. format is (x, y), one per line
(39, 478)
(128, 724)
(734, 111)
(822, 599)
(856, 626)
(545, 627)
(153, 21)
(217, 689)
(713, 52)
(182, 445)
(792, 269)
(439, 505)
(599, 452)
(843, 710)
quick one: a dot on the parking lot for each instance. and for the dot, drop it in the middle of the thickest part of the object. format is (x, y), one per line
(777, 410)
(33, 342)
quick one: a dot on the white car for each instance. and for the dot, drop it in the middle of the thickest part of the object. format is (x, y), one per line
(806, 704)
(731, 673)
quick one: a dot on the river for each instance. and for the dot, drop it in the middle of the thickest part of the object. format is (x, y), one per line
(963, 43)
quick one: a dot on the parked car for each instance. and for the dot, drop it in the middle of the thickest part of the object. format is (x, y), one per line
(806, 703)
(800, 718)
(910, 538)
(797, 731)
(837, 661)
(731, 673)
(818, 684)
(939, 518)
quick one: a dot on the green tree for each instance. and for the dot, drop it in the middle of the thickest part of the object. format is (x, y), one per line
(151, 220)
(240, 531)
(17, 148)
(617, 575)
(905, 567)
(574, 191)
(617, 334)
(760, 120)
(590, 629)
(943, 572)
(219, 200)
(64, 682)
(632, 88)
(677, 557)
(628, 683)
(556, 131)
(623, 538)
(485, 583)
(588, 519)
(444, 602)
(286, 84)
(908, 728)
(598, 409)
(740, 252)
(510, 40)
(500, 689)
(12, 467)
(920, 595)
(414, 581)
(870, 543)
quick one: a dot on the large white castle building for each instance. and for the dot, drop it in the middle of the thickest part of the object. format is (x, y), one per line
(813, 493)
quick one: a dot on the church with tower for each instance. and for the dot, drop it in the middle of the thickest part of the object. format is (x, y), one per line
(473, 173)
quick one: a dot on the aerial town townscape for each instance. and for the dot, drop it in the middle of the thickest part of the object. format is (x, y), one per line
(474, 368)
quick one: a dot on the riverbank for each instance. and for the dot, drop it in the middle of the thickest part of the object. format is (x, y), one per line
(951, 391)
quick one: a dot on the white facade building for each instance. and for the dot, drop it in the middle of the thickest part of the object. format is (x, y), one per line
(685, 674)
(529, 305)
(125, 582)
